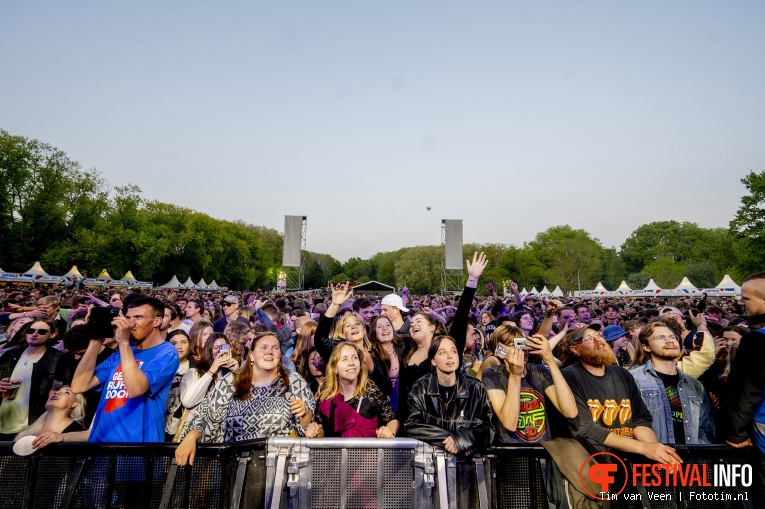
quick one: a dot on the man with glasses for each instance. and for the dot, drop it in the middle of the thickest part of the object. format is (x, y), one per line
(611, 412)
(115, 300)
(681, 410)
(230, 314)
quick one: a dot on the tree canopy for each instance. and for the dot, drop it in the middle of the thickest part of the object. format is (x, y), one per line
(54, 210)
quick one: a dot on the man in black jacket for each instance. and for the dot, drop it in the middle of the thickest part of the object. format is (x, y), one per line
(448, 408)
(746, 382)
(28, 373)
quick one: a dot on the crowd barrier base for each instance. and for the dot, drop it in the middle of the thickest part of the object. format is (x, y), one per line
(287, 473)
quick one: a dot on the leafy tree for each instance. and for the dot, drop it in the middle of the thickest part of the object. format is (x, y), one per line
(570, 257)
(420, 269)
(748, 225)
(665, 272)
(637, 281)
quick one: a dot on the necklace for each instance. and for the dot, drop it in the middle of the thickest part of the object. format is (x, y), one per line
(449, 399)
(27, 358)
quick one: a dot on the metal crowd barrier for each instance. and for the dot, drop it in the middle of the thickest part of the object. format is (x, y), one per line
(286, 473)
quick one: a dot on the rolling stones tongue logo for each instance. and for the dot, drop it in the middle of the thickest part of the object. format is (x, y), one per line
(116, 393)
(609, 410)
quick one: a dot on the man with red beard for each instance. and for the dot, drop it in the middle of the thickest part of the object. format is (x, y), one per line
(611, 411)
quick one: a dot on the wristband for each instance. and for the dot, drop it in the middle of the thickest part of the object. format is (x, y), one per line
(212, 375)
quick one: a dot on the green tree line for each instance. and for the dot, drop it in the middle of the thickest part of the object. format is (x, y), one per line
(54, 210)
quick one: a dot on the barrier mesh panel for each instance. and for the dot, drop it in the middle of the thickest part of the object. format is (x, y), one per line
(159, 474)
(91, 490)
(325, 478)
(206, 483)
(13, 471)
(52, 474)
(397, 476)
(361, 486)
(519, 483)
(130, 486)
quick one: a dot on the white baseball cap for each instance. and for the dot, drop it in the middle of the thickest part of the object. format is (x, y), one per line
(395, 301)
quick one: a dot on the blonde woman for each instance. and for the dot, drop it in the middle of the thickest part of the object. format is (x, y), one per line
(63, 414)
(350, 328)
(349, 404)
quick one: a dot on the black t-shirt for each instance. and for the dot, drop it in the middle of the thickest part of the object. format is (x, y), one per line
(610, 403)
(670, 386)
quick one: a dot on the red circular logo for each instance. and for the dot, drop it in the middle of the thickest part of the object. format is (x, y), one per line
(603, 474)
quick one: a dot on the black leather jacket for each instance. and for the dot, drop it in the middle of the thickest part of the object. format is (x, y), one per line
(53, 365)
(467, 420)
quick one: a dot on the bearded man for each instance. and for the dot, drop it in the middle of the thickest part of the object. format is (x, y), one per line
(611, 412)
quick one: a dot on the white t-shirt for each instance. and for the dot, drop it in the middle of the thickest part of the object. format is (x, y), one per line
(14, 414)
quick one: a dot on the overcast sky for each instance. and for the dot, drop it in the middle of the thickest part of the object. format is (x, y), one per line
(513, 116)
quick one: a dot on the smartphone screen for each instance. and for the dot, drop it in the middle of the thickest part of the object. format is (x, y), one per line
(501, 351)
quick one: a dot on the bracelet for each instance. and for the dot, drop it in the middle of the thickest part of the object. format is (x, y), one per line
(212, 375)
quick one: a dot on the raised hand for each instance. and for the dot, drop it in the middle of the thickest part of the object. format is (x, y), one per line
(341, 293)
(475, 269)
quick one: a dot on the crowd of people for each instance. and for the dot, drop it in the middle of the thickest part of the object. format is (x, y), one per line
(461, 372)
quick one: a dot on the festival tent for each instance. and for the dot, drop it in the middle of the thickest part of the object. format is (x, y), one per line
(213, 285)
(524, 291)
(652, 287)
(104, 275)
(173, 284)
(686, 287)
(202, 284)
(534, 291)
(36, 270)
(624, 289)
(725, 287)
(189, 283)
(544, 291)
(372, 288)
(599, 288)
(74, 272)
(557, 292)
(129, 277)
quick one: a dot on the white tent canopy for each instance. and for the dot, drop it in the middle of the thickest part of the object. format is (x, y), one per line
(624, 288)
(104, 275)
(652, 287)
(189, 283)
(686, 286)
(36, 270)
(524, 291)
(545, 291)
(72, 272)
(534, 291)
(728, 284)
(202, 284)
(173, 284)
(557, 292)
(600, 288)
(213, 285)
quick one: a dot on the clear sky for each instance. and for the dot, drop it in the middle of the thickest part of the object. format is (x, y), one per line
(513, 116)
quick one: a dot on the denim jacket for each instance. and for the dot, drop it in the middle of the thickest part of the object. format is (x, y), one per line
(697, 410)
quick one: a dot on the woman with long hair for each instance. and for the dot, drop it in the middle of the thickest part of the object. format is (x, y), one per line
(236, 332)
(64, 412)
(198, 380)
(316, 370)
(260, 400)
(423, 328)
(174, 406)
(303, 347)
(198, 335)
(526, 322)
(387, 354)
(350, 404)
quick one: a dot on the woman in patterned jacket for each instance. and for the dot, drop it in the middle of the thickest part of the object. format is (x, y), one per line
(259, 400)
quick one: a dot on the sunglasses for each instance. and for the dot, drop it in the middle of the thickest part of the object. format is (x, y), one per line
(41, 332)
(115, 300)
(226, 304)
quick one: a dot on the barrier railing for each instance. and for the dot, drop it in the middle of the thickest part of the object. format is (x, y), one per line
(286, 473)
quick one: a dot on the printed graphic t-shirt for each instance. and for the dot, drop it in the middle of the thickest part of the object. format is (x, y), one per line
(532, 419)
(120, 418)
